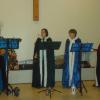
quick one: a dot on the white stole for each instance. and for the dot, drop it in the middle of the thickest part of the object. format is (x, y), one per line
(43, 53)
(71, 60)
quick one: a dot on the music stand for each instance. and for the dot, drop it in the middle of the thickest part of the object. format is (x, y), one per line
(81, 47)
(53, 46)
(8, 43)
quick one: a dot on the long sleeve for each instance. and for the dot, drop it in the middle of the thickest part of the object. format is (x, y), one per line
(36, 48)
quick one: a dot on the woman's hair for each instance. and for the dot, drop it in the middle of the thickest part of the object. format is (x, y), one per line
(46, 31)
(73, 31)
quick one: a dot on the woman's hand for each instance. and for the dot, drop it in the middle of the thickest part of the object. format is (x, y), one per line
(35, 56)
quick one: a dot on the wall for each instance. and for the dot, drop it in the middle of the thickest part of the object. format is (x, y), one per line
(17, 76)
(58, 16)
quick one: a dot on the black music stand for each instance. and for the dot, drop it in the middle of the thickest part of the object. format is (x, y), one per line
(81, 47)
(53, 46)
(8, 43)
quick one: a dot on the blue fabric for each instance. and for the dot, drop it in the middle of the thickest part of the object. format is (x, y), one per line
(1, 81)
(2, 70)
(76, 70)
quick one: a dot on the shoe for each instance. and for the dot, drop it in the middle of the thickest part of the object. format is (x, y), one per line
(74, 91)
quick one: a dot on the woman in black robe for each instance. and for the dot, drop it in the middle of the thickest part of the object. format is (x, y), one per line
(98, 66)
(43, 63)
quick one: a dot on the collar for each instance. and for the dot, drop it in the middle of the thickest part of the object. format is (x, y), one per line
(73, 39)
(45, 39)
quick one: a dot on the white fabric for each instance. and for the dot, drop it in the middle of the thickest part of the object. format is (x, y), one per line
(96, 81)
(45, 68)
(71, 60)
(43, 53)
(41, 67)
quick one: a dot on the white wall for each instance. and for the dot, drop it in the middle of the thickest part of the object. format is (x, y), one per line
(58, 16)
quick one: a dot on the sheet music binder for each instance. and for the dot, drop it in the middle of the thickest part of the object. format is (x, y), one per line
(82, 47)
(3, 43)
(9, 43)
(49, 45)
(86, 47)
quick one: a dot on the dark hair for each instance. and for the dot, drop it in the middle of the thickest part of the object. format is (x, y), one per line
(46, 31)
(73, 31)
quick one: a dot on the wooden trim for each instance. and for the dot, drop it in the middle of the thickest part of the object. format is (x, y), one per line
(36, 10)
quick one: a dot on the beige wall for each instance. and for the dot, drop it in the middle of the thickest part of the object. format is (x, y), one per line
(58, 16)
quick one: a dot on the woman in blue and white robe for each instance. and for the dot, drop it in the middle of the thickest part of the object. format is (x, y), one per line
(71, 70)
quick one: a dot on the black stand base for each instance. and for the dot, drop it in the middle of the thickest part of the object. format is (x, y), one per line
(82, 86)
(49, 91)
(13, 91)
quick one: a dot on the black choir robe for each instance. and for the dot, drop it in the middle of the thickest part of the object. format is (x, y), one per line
(50, 66)
(98, 66)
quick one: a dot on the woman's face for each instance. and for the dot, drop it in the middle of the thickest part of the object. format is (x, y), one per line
(72, 35)
(43, 33)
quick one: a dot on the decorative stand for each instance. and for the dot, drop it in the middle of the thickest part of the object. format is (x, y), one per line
(9, 43)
